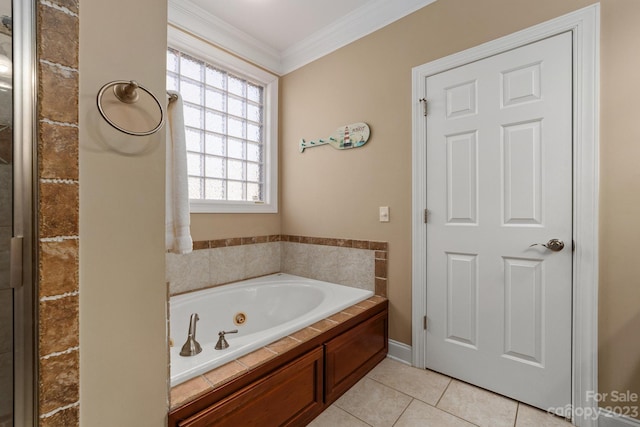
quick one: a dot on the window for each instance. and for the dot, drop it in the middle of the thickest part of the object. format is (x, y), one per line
(230, 118)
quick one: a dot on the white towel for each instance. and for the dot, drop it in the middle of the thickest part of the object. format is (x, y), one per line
(177, 220)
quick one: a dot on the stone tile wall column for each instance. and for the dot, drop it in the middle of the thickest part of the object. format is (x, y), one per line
(58, 213)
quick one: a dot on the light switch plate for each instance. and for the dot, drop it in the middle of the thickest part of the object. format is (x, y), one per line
(384, 213)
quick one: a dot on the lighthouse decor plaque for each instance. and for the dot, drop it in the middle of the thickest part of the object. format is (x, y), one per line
(348, 136)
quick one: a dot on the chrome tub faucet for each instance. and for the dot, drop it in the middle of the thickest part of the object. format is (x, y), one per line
(191, 347)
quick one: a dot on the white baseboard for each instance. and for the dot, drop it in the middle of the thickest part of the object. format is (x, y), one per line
(400, 352)
(609, 419)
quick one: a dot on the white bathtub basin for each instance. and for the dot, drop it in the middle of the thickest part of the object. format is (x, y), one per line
(274, 305)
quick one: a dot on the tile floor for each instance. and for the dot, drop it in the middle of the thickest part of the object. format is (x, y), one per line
(394, 394)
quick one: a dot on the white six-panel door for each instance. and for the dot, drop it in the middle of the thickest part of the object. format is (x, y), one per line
(499, 179)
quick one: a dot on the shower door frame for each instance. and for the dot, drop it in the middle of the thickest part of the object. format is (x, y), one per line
(24, 219)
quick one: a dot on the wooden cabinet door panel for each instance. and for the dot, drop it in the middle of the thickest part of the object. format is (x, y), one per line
(351, 355)
(289, 396)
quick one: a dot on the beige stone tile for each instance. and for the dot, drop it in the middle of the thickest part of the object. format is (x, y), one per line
(344, 243)
(257, 358)
(225, 373)
(188, 272)
(374, 403)
(324, 325)
(422, 384)
(200, 245)
(323, 262)
(419, 414)
(356, 268)
(67, 417)
(72, 5)
(381, 287)
(58, 267)
(336, 417)
(295, 259)
(227, 264)
(59, 324)
(534, 417)
(377, 299)
(59, 207)
(354, 310)
(368, 303)
(58, 151)
(360, 244)
(59, 381)
(233, 241)
(58, 37)
(381, 268)
(305, 334)
(340, 317)
(58, 93)
(478, 406)
(188, 391)
(379, 246)
(283, 345)
(262, 259)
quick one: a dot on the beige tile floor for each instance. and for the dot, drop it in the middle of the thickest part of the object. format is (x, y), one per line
(394, 394)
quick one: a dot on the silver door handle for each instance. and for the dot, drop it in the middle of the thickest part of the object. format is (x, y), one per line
(554, 245)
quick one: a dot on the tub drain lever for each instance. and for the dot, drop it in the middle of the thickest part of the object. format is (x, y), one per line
(222, 342)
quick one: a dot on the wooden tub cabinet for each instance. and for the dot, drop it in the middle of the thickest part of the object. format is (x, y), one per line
(296, 386)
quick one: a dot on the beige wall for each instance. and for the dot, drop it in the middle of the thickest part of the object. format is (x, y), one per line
(224, 226)
(619, 299)
(330, 193)
(123, 362)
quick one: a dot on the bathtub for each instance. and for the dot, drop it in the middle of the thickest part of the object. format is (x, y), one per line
(275, 306)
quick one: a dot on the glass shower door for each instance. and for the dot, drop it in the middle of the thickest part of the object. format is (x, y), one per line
(6, 217)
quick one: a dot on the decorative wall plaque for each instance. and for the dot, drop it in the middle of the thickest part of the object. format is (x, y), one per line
(348, 136)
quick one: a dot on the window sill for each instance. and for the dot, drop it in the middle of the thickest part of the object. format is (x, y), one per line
(205, 206)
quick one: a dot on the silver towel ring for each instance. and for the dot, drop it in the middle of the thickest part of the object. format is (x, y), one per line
(127, 92)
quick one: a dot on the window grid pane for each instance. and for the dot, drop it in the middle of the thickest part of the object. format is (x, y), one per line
(225, 124)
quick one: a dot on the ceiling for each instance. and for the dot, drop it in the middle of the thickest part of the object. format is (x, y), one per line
(280, 23)
(282, 35)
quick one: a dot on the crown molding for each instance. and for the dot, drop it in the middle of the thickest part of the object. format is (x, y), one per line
(351, 27)
(197, 21)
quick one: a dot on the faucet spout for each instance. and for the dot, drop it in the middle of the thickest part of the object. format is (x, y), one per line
(191, 347)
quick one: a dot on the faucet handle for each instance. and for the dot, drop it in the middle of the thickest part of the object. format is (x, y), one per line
(222, 341)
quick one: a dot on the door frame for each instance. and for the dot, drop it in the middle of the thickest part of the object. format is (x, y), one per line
(585, 27)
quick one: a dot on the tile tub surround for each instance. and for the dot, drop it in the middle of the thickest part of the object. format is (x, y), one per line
(200, 385)
(356, 263)
(58, 213)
